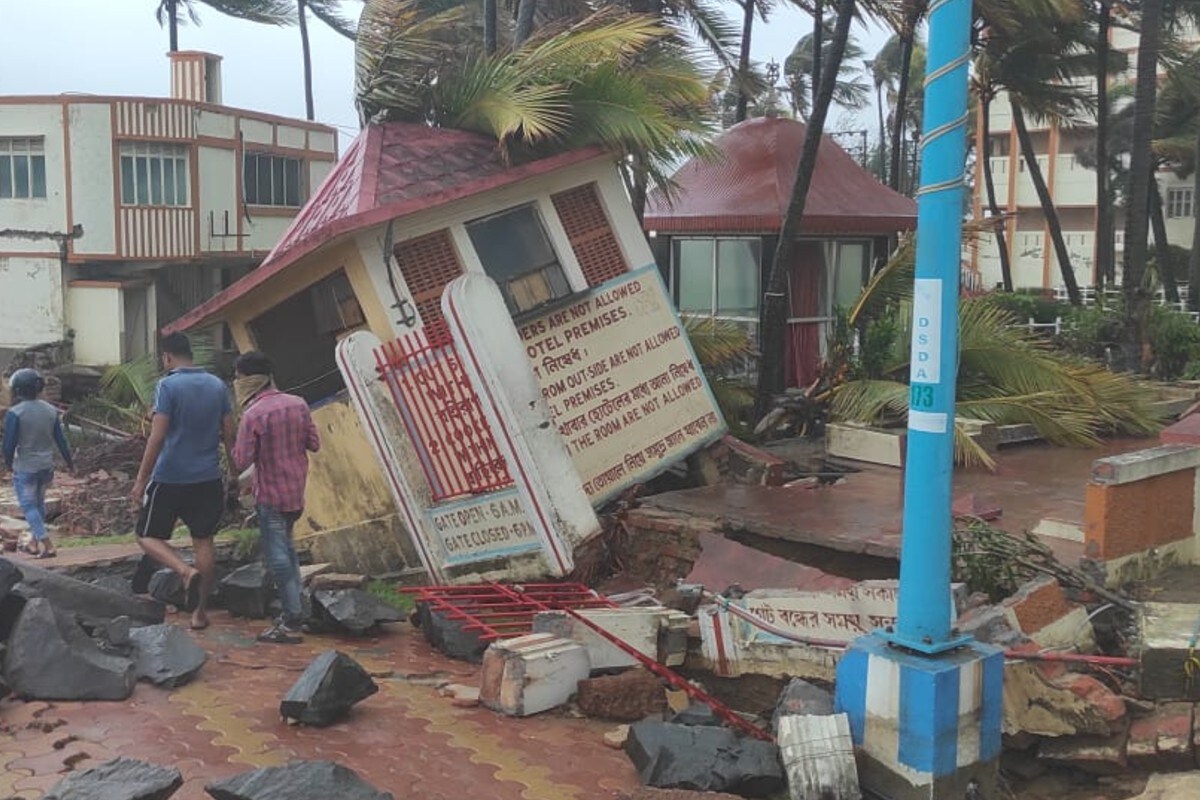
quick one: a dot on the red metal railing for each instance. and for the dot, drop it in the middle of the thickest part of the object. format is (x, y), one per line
(443, 416)
(498, 611)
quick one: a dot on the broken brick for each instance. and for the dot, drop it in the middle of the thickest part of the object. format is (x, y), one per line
(1162, 740)
(1038, 604)
(627, 697)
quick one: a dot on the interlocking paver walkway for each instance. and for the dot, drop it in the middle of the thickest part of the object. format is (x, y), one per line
(406, 739)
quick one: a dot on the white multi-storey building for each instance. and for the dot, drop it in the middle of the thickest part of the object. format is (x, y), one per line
(1073, 187)
(118, 214)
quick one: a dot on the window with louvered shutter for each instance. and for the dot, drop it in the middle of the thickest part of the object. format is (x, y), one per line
(591, 235)
(428, 263)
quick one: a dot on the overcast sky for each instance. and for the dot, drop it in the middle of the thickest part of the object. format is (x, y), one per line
(116, 47)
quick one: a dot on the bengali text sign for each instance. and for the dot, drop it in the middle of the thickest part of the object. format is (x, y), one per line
(624, 388)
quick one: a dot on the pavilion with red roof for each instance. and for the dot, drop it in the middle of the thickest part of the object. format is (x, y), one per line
(715, 237)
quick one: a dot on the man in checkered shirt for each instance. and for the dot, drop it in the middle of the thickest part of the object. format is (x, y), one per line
(275, 436)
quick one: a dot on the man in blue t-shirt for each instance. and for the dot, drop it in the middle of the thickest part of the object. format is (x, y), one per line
(180, 475)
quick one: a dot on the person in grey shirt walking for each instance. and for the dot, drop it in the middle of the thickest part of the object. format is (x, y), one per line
(32, 432)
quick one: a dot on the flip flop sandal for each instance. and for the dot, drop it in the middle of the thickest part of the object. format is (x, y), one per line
(192, 593)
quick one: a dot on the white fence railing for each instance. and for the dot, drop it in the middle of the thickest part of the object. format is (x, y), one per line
(1112, 293)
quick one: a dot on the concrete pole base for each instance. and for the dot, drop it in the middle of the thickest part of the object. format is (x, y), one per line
(924, 726)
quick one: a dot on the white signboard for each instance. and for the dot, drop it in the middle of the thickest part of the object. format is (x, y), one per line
(484, 527)
(623, 385)
(842, 615)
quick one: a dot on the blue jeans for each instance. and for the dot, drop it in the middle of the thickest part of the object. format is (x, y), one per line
(31, 495)
(280, 555)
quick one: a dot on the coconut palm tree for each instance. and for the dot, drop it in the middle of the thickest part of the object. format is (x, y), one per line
(851, 91)
(1106, 269)
(908, 21)
(1137, 301)
(774, 313)
(268, 12)
(621, 81)
(1038, 65)
(885, 71)
(329, 12)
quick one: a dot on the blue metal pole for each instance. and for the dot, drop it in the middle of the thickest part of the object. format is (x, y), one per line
(924, 617)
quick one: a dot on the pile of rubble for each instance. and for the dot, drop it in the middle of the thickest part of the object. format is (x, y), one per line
(64, 639)
(615, 664)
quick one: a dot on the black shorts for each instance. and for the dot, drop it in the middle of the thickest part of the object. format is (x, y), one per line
(198, 505)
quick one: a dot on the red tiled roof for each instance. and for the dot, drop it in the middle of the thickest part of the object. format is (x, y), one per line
(747, 189)
(391, 170)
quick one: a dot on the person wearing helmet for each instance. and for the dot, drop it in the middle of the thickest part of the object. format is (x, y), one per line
(32, 432)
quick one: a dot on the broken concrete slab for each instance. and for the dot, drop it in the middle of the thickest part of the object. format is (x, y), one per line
(353, 610)
(461, 695)
(309, 571)
(1099, 755)
(818, 756)
(627, 697)
(1165, 632)
(802, 698)
(167, 587)
(655, 632)
(246, 591)
(1067, 704)
(449, 636)
(1162, 740)
(116, 632)
(299, 780)
(1040, 610)
(1171, 787)
(10, 576)
(119, 779)
(166, 655)
(89, 602)
(705, 759)
(885, 446)
(333, 581)
(49, 657)
(531, 674)
(696, 714)
(331, 684)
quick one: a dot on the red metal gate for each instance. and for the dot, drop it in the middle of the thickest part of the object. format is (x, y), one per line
(443, 415)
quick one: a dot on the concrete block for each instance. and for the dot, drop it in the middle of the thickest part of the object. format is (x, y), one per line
(1059, 529)
(648, 630)
(1165, 629)
(1142, 464)
(818, 757)
(531, 674)
(884, 446)
(1018, 433)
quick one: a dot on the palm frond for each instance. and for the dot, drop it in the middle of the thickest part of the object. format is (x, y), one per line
(719, 343)
(330, 12)
(264, 12)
